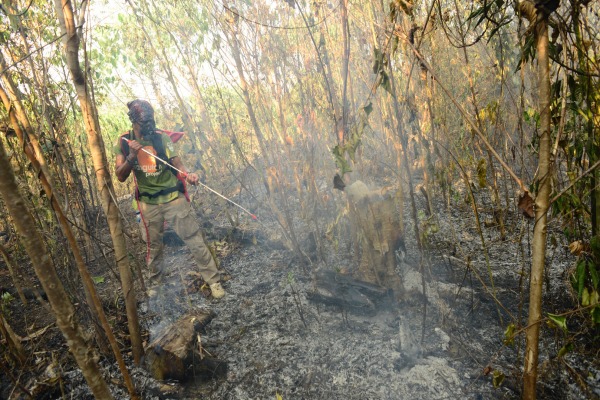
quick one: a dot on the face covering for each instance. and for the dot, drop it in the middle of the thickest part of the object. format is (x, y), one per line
(141, 111)
(147, 128)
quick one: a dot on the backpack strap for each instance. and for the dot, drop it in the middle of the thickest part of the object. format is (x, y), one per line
(181, 185)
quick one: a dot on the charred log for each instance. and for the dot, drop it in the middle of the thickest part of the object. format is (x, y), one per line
(348, 293)
(176, 354)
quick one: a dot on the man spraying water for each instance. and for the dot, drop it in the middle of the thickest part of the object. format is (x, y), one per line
(161, 193)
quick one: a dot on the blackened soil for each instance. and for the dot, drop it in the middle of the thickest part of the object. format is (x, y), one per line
(446, 342)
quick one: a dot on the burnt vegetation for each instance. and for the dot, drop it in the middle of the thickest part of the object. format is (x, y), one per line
(402, 196)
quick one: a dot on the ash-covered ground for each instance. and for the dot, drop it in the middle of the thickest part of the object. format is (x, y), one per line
(447, 344)
(277, 342)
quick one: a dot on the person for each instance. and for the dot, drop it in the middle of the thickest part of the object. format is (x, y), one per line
(161, 194)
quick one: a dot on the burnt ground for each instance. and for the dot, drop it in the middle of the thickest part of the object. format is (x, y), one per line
(277, 342)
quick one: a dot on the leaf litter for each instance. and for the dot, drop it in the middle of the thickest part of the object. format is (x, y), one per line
(278, 343)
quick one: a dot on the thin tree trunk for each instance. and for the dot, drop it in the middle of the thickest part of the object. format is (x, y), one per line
(343, 124)
(165, 65)
(235, 48)
(429, 161)
(11, 341)
(57, 296)
(14, 271)
(492, 169)
(64, 12)
(11, 98)
(541, 207)
(92, 297)
(411, 190)
(592, 148)
(284, 219)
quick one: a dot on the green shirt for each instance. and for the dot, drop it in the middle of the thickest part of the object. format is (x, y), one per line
(152, 175)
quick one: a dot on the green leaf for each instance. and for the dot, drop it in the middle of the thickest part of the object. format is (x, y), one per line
(368, 108)
(482, 173)
(498, 378)
(595, 315)
(98, 279)
(559, 320)
(594, 297)
(4, 36)
(483, 12)
(395, 43)
(340, 160)
(378, 62)
(385, 83)
(497, 28)
(585, 297)
(337, 151)
(574, 90)
(509, 335)
(7, 297)
(528, 51)
(567, 348)
(593, 274)
(476, 13)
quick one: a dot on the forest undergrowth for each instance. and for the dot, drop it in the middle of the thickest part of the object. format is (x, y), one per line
(275, 340)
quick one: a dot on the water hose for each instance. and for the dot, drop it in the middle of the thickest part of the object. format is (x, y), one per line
(185, 174)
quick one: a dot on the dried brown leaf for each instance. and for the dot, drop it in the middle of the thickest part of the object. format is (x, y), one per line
(526, 204)
(578, 247)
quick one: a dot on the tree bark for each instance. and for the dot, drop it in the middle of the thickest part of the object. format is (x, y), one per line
(11, 99)
(12, 341)
(542, 203)
(88, 284)
(15, 272)
(57, 296)
(64, 12)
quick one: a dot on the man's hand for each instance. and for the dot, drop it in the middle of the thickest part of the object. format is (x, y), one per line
(134, 147)
(192, 178)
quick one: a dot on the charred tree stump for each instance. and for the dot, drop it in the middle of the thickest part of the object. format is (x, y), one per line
(175, 353)
(348, 293)
(378, 232)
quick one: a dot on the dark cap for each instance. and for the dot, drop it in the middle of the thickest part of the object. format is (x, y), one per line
(140, 110)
